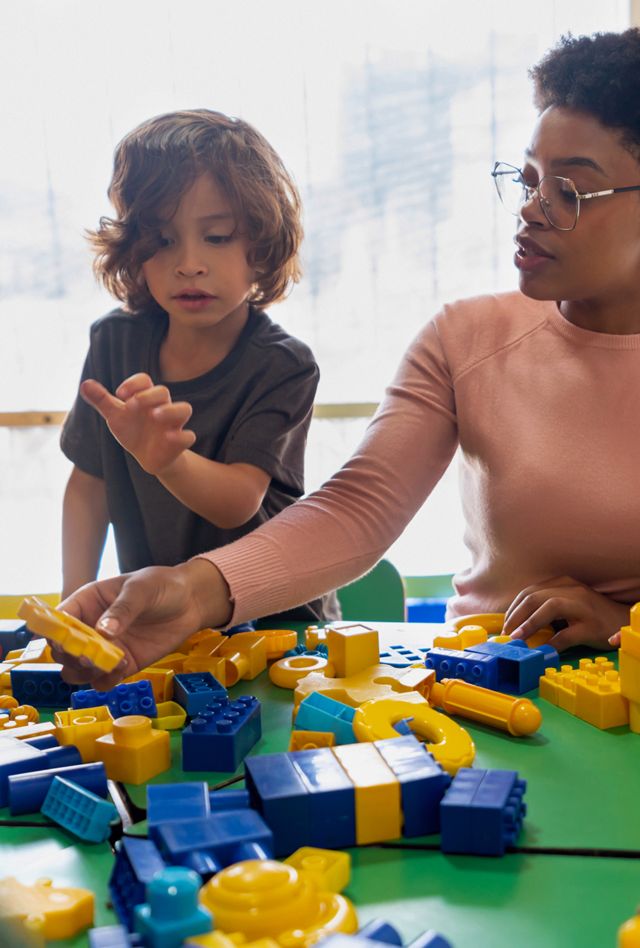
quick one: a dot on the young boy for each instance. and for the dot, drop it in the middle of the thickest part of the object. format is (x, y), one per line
(206, 232)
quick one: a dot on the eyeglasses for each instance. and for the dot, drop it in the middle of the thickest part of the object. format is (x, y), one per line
(559, 198)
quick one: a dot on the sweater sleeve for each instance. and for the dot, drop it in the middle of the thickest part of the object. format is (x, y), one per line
(340, 531)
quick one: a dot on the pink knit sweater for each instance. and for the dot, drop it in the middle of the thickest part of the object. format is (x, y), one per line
(545, 414)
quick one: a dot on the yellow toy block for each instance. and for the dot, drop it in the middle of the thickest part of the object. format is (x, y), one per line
(629, 664)
(377, 793)
(629, 933)
(161, 681)
(468, 635)
(449, 743)
(352, 649)
(263, 898)
(247, 651)
(375, 682)
(171, 716)
(19, 717)
(175, 661)
(51, 912)
(37, 651)
(491, 622)
(225, 672)
(70, 633)
(202, 642)
(288, 671)
(278, 641)
(235, 940)
(311, 740)
(314, 636)
(82, 727)
(331, 869)
(134, 751)
(590, 692)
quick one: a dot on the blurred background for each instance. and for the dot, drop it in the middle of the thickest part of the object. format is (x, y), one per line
(389, 113)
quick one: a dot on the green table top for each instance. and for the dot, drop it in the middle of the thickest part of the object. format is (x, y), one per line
(583, 787)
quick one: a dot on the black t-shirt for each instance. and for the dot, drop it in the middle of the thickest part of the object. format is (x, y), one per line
(254, 407)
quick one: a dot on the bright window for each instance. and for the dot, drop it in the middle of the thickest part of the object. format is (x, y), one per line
(390, 114)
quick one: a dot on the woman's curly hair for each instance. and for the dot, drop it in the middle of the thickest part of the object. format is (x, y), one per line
(153, 167)
(599, 75)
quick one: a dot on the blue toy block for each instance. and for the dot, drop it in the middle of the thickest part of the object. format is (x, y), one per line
(113, 936)
(195, 691)
(519, 667)
(221, 736)
(167, 802)
(475, 668)
(210, 844)
(14, 634)
(401, 656)
(172, 912)
(379, 930)
(27, 791)
(43, 742)
(551, 656)
(41, 685)
(78, 810)
(423, 783)
(134, 697)
(15, 758)
(318, 712)
(429, 609)
(137, 862)
(482, 812)
(228, 800)
(332, 823)
(278, 792)
(430, 939)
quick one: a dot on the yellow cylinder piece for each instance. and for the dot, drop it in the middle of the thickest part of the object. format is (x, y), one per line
(132, 730)
(518, 716)
(492, 622)
(264, 898)
(449, 743)
(629, 933)
(287, 672)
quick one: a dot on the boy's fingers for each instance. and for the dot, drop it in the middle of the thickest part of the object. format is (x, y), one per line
(153, 397)
(96, 395)
(181, 437)
(133, 385)
(175, 413)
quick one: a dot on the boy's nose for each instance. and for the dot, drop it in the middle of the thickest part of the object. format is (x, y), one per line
(190, 263)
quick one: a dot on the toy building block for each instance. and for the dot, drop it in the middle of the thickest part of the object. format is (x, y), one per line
(134, 698)
(449, 743)
(171, 912)
(278, 792)
(82, 728)
(78, 810)
(482, 812)
(44, 742)
(288, 671)
(591, 692)
(467, 635)
(171, 716)
(517, 716)
(318, 712)
(352, 649)
(216, 665)
(377, 681)
(41, 685)
(222, 735)
(311, 740)
(51, 912)
(113, 936)
(19, 757)
(491, 622)
(378, 932)
(228, 800)
(27, 731)
(221, 839)
(161, 681)
(423, 783)
(37, 651)
(247, 653)
(137, 862)
(134, 751)
(202, 642)
(27, 791)
(330, 870)
(377, 793)
(278, 641)
(13, 634)
(331, 801)
(70, 633)
(268, 899)
(629, 666)
(476, 668)
(403, 656)
(519, 667)
(195, 690)
(174, 661)
(167, 802)
(629, 933)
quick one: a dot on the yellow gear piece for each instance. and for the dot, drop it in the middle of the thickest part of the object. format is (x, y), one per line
(263, 898)
(70, 633)
(449, 743)
(51, 912)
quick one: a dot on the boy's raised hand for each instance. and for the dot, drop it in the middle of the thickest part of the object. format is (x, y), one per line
(143, 419)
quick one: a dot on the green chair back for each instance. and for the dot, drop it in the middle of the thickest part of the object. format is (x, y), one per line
(378, 596)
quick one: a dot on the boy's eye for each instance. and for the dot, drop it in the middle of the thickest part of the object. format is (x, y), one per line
(219, 238)
(163, 241)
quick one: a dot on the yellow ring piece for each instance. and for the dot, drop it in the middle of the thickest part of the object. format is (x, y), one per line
(449, 743)
(287, 672)
(263, 898)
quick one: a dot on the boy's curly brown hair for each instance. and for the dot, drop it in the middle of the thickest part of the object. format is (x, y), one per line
(158, 161)
(599, 75)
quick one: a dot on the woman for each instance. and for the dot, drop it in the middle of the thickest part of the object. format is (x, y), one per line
(538, 387)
